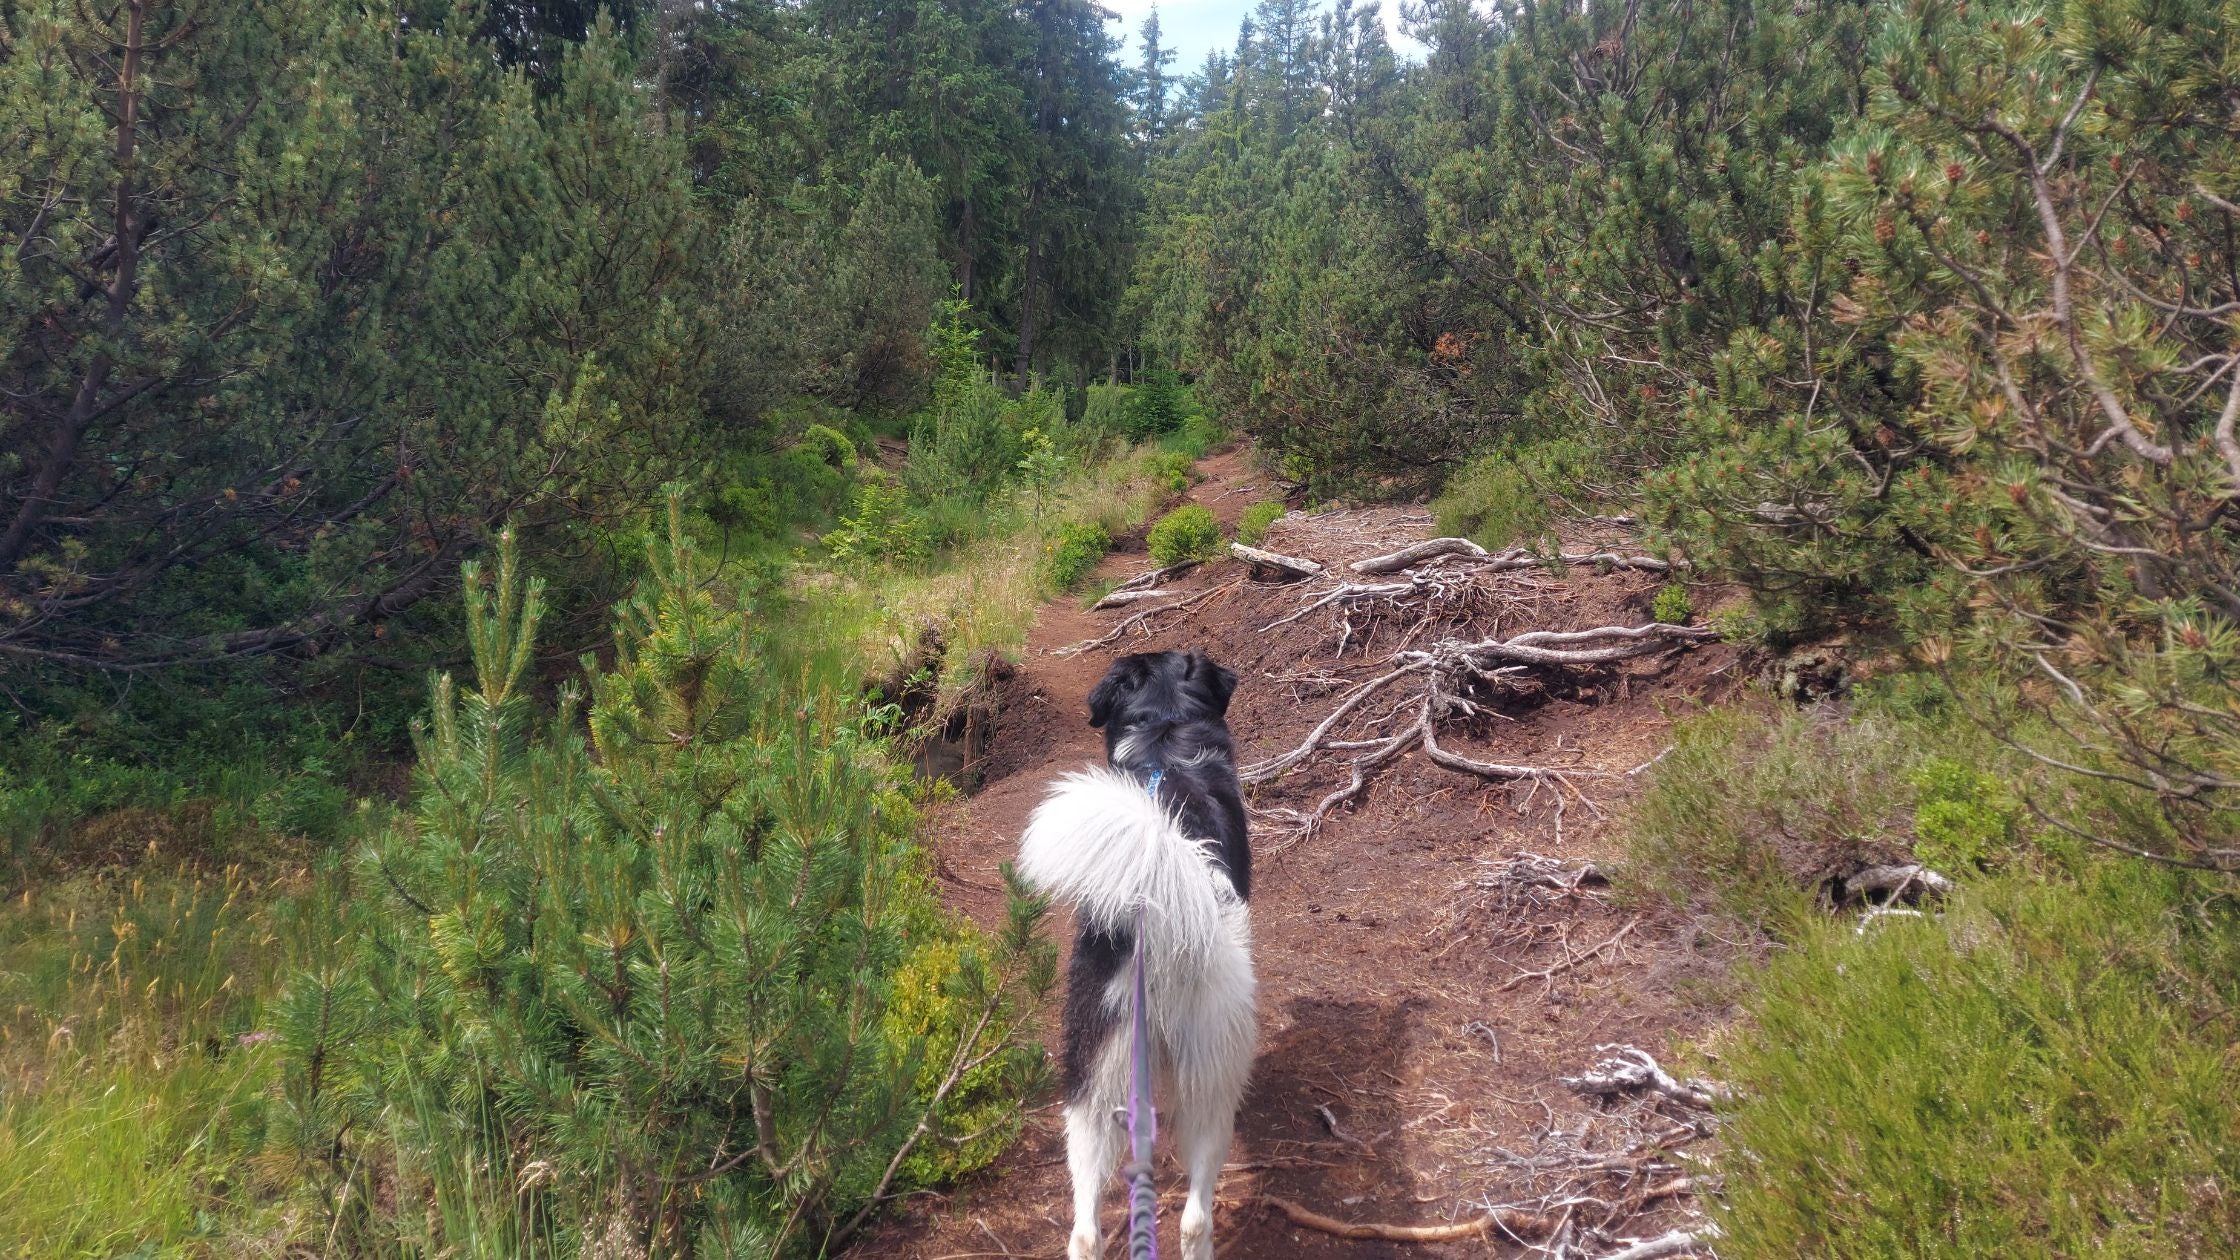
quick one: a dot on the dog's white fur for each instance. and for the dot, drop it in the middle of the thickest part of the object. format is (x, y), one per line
(1103, 844)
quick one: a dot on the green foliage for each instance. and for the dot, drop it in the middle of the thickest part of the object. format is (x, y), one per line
(882, 529)
(1253, 525)
(1073, 551)
(831, 446)
(1672, 605)
(585, 966)
(1040, 467)
(130, 1054)
(1963, 818)
(1513, 496)
(1187, 533)
(1175, 470)
(2040, 1072)
(1158, 405)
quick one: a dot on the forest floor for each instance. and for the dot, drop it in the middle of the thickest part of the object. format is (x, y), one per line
(1410, 1054)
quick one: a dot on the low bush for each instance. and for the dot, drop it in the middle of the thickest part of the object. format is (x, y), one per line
(1075, 549)
(883, 529)
(831, 446)
(1187, 533)
(1512, 496)
(1672, 606)
(2044, 1071)
(1253, 525)
(1174, 470)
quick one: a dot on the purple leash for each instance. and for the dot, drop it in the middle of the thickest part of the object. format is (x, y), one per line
(1143, 1121)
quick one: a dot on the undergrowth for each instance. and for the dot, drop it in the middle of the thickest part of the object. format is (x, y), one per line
(2035, 1066)
(2044, 1071)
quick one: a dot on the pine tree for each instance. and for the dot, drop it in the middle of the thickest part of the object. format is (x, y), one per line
(666, 970)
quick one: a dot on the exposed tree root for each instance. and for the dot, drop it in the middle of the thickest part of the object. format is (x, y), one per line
(1572, 960)
(1451, 672)
(1625, 1069)
(1679, 1242)
(1510, 1221)
(1135, 620)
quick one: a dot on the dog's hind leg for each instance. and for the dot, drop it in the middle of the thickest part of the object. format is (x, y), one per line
(1202, 1141)
(1093, 1141)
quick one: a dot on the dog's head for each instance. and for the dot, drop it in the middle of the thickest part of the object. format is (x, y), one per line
(1147, 687)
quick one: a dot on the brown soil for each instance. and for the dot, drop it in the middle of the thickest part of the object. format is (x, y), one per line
(1379, 958)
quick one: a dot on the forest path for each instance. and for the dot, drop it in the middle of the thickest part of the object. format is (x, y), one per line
(1405, 1065)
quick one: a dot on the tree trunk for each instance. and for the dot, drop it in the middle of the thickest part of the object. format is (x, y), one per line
(85, 404)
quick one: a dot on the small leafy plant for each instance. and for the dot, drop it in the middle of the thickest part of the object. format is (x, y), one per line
(1187, 533)
(1253, 526)
(1075, 550)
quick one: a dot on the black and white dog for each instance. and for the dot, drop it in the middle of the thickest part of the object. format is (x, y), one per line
(1108, 843)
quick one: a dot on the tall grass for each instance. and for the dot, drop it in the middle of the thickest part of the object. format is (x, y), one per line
(980, 598)
(133, 1079)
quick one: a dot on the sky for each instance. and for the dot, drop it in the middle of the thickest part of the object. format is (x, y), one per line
(1195, 27)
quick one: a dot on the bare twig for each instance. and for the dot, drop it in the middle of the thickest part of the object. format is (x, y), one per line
(1549, 973)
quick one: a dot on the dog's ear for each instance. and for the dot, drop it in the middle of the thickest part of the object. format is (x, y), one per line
(1121, 677)
(1215, 682)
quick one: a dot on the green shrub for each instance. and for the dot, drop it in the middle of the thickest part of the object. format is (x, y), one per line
(1174, 470)
(1198, 435)
(1187, 533)
(830, 446)
(2044, 1072)
(1672, 605)
(607, 946)
(1073, 551)
(1747, 815)
(1962, 817)
(1513, 496)
(883, 529)
(1253, 525)
(1157, 406)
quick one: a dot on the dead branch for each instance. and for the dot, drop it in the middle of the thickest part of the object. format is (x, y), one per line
(1418, 553)
(1117, 598)
(1156, 577)
(1451, 671)
(1511, 1220)
(1549, 973)
(1135, 620)
(1624, 1069)
(1679, 1242)
(1261, 559)
(1895, 882)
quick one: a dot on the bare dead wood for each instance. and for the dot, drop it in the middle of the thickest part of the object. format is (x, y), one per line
(1625, 1069)
(1417, 553)
(1262, 559)
(1117, 598)
(1679, 1242)
(1157, 577)
(1513, 1220)
(1896, 881)
(1474, 556)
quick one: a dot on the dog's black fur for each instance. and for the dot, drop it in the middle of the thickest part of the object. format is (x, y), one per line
(1160, 711)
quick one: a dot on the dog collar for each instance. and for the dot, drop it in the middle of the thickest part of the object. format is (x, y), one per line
(1152, 788)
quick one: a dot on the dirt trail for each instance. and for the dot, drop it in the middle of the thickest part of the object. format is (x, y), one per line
(1403, 1066)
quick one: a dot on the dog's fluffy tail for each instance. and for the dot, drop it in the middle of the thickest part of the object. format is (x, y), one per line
(1106, 846)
